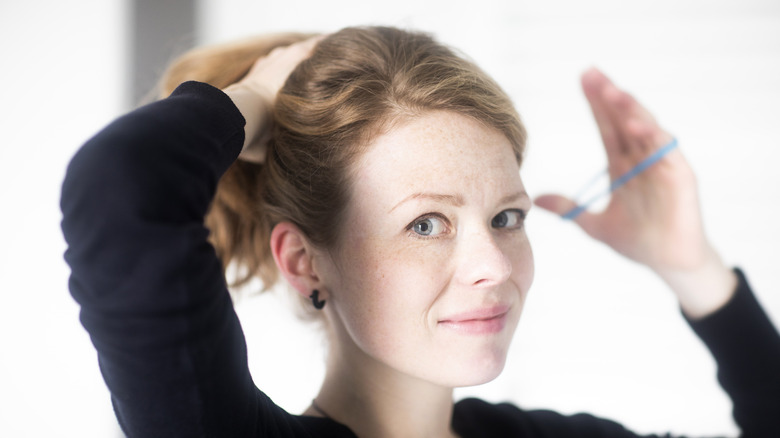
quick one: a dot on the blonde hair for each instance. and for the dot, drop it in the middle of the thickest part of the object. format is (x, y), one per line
(356, 84)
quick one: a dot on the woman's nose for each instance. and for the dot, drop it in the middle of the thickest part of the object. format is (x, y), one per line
(482, 261)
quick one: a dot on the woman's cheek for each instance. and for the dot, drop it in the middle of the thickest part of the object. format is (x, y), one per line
(405, 276)
(420, 264)
(388, 297)
(522, 263)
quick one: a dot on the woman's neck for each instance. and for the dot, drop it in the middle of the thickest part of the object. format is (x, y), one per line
(375, 400)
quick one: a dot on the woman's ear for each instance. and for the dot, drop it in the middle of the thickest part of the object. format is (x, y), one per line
(293, 256)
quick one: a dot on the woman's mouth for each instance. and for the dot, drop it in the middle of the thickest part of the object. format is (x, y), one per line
(478, 322)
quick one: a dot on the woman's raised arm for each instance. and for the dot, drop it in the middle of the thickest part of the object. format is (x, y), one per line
(655, 219)
(151, 288)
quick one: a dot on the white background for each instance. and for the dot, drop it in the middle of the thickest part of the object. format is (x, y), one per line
(599, 334)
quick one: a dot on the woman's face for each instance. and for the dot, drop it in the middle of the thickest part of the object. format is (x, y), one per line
(433, 263)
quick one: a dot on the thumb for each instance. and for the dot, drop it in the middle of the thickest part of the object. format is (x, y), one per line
(563, 206)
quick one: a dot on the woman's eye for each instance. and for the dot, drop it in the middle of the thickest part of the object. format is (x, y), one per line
(429, 226)
(508, 219)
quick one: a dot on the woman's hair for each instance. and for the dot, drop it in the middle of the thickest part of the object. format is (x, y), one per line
(357, 84)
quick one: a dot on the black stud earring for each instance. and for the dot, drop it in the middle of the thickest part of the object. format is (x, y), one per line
(315, 300)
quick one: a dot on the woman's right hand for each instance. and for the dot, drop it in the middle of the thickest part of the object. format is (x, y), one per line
(655, 218)
(255, 93)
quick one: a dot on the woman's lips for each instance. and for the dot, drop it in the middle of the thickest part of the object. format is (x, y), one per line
(478, 322)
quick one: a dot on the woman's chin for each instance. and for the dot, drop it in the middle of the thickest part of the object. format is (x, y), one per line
(472, 371)
(483, 375)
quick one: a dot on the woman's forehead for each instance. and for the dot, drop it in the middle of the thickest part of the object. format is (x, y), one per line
(438, 152)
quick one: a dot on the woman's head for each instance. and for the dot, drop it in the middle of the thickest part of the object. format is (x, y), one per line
(353, 128)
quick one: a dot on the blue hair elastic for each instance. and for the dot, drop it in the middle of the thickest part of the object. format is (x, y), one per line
(616, 184)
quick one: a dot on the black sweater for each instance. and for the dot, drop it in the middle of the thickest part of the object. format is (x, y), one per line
(154, 300)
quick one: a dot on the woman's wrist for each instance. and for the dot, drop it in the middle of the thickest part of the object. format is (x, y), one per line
(255, 106)
(704, 289)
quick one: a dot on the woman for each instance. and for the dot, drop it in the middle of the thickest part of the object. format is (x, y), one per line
(378, 174)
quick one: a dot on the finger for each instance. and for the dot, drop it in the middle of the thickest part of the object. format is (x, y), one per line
(648, 135)
(594, 83)
(641, 133)
(298, 50)
(311, 42)
(302, 49)
(561, 205)
(269, 73)
(287, 56)
(624, 109)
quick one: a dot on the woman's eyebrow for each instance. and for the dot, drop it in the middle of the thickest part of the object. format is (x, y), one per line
(512, 197)
(456, 200)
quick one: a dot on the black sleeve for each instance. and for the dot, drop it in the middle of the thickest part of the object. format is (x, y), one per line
(746, 347)
(152, 293)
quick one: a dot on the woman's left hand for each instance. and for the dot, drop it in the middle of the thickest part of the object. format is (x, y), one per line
(654, 219)
(255, 93)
